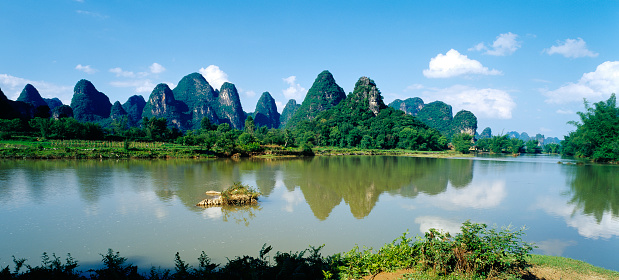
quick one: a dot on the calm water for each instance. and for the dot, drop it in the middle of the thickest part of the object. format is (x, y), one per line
(145, 209)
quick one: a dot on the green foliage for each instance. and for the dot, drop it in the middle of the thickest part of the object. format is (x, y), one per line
(515, 146)
(533, 147)
(597, 134)
(437, 115)
(552, 148)
(462, 142)
(477, 250)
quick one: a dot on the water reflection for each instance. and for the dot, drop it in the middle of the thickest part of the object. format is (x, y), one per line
(359, 181)
(593, 205)
(595, 190)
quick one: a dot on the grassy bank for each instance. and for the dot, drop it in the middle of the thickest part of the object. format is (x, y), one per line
(84, 149)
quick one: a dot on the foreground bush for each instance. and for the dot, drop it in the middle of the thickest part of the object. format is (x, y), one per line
(478, 252)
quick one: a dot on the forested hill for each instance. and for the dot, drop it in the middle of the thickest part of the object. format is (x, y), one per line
(438, 115)
(193, 99)
(362, 120)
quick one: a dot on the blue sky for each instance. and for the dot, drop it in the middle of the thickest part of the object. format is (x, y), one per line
(518, 65)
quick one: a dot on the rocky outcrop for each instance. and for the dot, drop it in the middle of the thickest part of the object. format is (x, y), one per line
(486, 133)
(199, 97)
(31, 95)
(410, 106)
(230, 109)
(117, 112)
(134, 108)
(464, 122)
(289, 110)
(6, 109)
(324, 94)
(266, 112)
(53, 102)
(88, 104)
(162, 104)
(366, 95)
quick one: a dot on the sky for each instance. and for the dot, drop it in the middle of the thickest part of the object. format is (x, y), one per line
(520, 66)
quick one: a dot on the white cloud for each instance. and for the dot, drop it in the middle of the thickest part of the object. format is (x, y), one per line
(487, 102)
(12, 87)
(565, 112)
(414, 87)
(572, 48)
(554, 247)
(91, 14)
(292, 199)
(86, 69)
(505, 44)
(294, 91)
(593, 85)
(454, 64)
(250, 93)
(122, 73)
(214, 76)
(441, 224)
(586, 224)
(139, 85)
(480, 195)
(156, 68)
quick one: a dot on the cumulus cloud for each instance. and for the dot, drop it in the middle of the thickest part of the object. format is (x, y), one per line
(12, 87)
(505, 44)
(454, 64)
(86, 69)
(595, 85)
(156, 68)
(122, 73)
(214, 76)
(572, 48)
(294, 91)
(486, 102)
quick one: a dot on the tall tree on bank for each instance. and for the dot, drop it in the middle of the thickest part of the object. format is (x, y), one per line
(597, 134)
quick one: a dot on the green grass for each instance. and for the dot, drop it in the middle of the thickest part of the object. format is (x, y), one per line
(574, 266)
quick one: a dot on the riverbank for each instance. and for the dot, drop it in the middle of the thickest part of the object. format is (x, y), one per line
(84, 149)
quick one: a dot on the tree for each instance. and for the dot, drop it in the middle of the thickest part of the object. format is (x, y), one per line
(532, 147)
(597, 134)
(462, 142)
(250, 125)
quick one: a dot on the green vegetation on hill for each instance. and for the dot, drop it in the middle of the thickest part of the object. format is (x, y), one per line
(289, 110)
(323, 95)
(266, 112)
(437, 115)
(88, 104)
(352, 123)
(411, 106)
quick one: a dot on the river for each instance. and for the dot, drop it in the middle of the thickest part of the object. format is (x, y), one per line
(146, 209)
